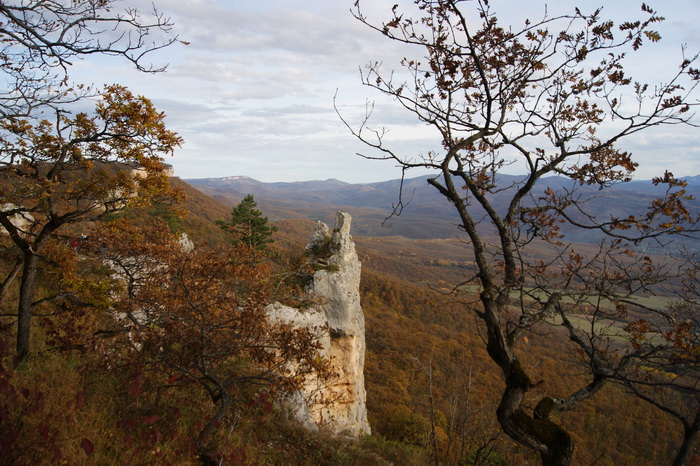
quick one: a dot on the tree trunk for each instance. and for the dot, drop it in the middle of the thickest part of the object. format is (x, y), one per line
(689, 435)
(552, 442)
(224, 408)
(27, 290)
(5, 287)
(537, 432)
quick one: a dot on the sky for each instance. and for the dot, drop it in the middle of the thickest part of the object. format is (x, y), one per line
(252, 94)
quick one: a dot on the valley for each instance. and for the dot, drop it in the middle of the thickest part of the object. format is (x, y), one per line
(421, 334)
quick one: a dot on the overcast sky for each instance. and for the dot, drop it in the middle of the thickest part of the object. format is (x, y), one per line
(252, 93)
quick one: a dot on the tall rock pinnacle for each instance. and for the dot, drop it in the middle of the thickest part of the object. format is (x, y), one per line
(338, 406)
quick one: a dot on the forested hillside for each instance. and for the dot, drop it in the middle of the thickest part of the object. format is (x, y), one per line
(421, 341)
(545, 318)
(420, 338)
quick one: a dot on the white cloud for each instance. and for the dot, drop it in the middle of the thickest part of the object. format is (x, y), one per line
(253, 92)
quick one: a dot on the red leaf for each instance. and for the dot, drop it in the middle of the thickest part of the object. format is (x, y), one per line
(150, 420)
(135, 384)
(43, 431)
(7, 389)
(88, 446)
(80, 400)
(57, 453)
(5, 447)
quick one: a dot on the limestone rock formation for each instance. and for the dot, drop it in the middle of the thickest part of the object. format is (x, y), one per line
(22, 219)
(338, 405)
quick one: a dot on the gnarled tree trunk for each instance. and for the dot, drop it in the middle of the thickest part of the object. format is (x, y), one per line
(27, 290)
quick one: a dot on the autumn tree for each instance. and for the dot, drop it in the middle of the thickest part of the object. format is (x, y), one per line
(552, 98)
(200, 315)
(59, 166)
(76, 168)
(248, 226)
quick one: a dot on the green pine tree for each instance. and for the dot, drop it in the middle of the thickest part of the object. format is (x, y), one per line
(249, 226)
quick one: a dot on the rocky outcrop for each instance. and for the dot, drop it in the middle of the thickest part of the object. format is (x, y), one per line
(337, 405)
(20, 218)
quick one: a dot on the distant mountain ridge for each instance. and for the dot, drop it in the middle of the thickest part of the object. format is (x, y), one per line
(692, 180)
(426, 214)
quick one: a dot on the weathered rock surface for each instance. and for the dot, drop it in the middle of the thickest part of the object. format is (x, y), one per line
(22, 219)
(338, 405)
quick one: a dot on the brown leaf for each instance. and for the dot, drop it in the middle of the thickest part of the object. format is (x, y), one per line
(88, 446)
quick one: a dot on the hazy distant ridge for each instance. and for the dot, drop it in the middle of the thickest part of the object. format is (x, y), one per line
(426, 214)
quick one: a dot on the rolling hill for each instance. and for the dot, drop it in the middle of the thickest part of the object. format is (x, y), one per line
(425, 213)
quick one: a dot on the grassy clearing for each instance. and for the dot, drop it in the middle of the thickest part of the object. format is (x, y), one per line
(607, 327)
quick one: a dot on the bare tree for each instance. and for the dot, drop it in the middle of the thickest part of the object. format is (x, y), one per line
(41, 40)
(549, 98)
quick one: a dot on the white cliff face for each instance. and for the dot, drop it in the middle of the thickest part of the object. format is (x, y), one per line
(338, 405)
(339, 282)
(22, 220)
